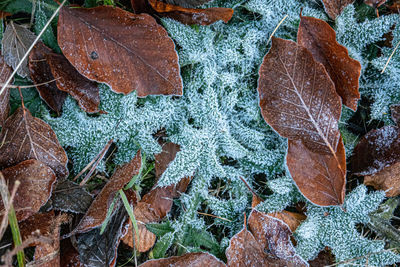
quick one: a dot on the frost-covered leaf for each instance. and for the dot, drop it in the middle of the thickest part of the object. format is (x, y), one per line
(117, 47)
(274, 235)
(375, 3)
(191, 15)
(40, 72)
(320, 178)
(5, 72)
(97, 212)
(36, 186)
(320, 39)
(388, 180)
(96, 250)
(26, 137)
(16, 41)
(376, 150)
(71, 81)
(190, 259)
(297, 97)
(292, 219)
(186, 3)
(334, 7)
(70, 197)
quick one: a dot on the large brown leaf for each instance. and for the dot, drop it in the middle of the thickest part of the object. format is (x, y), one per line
(5, 72)
(97, 212)
(26, 137)
(36, 186)
(114, 46)
(320, 178)
(297, 97)
(334, 7)
(376, 150)
(292, 219)
(198, 259)
(71, 81)
(320, 39)
(40, 73)
(274, 235)
(191, 15)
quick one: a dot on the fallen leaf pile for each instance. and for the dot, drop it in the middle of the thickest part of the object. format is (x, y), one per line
(301, 87)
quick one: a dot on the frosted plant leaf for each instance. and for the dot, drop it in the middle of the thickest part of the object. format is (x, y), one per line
(16, 41)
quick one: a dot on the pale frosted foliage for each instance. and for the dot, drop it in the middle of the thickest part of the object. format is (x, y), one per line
(335, 227)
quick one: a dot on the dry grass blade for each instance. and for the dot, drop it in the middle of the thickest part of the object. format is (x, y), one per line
(7, 200)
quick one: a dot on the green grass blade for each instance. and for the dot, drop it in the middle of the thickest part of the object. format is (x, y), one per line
(130, 213)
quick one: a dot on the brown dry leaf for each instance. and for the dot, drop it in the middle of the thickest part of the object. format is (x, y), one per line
(5, 72)
(320, 39)
(71, 81)
(37, 181)
(15, 43)
(26, 137)
(395, 111)
(70, 257)
(375, 3)
(97, 212)
(114, 46)
(334, 7)
(387, 179)
(320, 178)
(292, 219)
(198, 259)
(324, 258)
(186, 3)
(297, 97)
(156, 204)
(40, 72)
(191, 15)
(4, 14)
(376, 150)
(256, 200)
(274, 235)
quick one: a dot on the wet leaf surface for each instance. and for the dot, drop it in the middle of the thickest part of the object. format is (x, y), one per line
(26, 137)
(40, 72)
(117, 47)
(35, 189)
(190, 259)
(320, 39)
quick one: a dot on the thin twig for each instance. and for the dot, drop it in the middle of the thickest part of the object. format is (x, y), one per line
(276, 28)
(31, 47)
(212, 215)
(29, 86)
(390, 57)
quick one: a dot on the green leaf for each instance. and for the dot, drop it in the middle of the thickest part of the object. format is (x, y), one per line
(48, 36)
(108, 216)
(160, 229)
(162, 245)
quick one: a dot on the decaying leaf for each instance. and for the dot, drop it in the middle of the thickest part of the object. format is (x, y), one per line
(156, 204)
(320, 178)
(97, 250)
(116, 47)
(5, 72)
(70, 257)
(186, 3)
(191, 15)
(388, 179)
(297, 97)
(190, 259)
(375, 3)
(320, 39)
(376, 150)
(36, 186)
(292, 219)
(4, 14)
(41, 222)
(70, 197)
(324, 258)
(274, 235)
(26, 137)
(71, 81)
(334, 7)
(40, 73)
(16, 41)
(395, 110)
(97, 212)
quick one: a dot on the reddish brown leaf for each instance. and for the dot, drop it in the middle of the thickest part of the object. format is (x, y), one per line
(4, 14)
(97, 212)
(5, 72)
(198, 259)
(40, 73)
(297, 97)
(141, 6)
(395, 110)
(26, 137)
(71, 81)
(190, 15)
(41, 222)
(292, 219)
(320, 39)
(334, 7)
(387, 179)
(320, 178)
(70, 257)
(274, 235)
(375, 3)
(36, 185)
(156, 204)
(324, 258)
(118, 47)
(376, 150)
